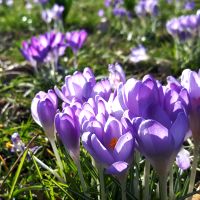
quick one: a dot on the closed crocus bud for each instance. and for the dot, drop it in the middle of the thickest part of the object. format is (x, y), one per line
(191, 81)
(68, 129)
(43, 109)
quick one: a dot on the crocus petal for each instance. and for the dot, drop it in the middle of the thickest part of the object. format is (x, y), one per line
(113, 129)
(101, 152)
(34, 111)
(117, 167)
(124, 147)
(154, 139)
(179, 129)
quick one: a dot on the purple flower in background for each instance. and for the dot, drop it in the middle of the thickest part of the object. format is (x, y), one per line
(55, 13)
(147, 7)
(18, 145)
(184, 27)
(121, 12)
(76, 39)
(68, 129)
(189, 5)
(109, 144)
(158, 138)
(117, 7)
(78, 86)
(101, 13)
(138, 54)
(41, 1)
(43, 109)
(8, 3)
(107, 3)
(116, 75)
(183, 159)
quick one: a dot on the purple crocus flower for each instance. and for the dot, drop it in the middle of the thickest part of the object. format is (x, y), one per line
(43, 109)
(138, 54)
(107, 3)
(101, 13)
(147, 7)
(41, 1)
(189, 5)
(158, 138)
(55, 13)
(116, 75)
(78, 86)
(190, 80)
(76, 39)
(109, 144)
(68, 129)
(18, 145)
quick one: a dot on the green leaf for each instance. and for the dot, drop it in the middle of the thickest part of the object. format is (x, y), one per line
(17, 173)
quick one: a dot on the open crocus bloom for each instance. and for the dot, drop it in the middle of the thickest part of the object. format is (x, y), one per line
(109, 144)
(43, 109)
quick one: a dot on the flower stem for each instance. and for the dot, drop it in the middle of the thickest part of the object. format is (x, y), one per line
(171, 185)
(194, 167)
(123, 186)
(146, 180)
(59, 162)
(163, 186)
(136, 177)
(48, 169)
(102, 184)
(83, 184)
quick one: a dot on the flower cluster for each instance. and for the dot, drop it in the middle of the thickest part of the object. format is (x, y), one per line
(44, 48)
(111, 121)
(51, 45)
(184, 27)
(147, 7)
